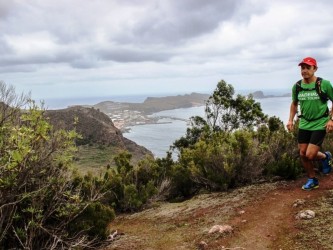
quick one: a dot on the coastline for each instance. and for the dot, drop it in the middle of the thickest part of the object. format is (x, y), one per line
(158, 137)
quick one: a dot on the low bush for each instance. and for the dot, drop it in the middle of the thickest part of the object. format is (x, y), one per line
(94, 220)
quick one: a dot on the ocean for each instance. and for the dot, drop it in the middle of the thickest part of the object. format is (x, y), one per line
(172, 123)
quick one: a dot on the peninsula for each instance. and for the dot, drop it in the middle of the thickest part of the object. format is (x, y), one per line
(125, 114)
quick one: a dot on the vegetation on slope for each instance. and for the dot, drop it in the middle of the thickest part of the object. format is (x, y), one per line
(235, 144)
(99, 139)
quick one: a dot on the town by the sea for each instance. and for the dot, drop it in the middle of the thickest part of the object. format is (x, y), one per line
(171, 124)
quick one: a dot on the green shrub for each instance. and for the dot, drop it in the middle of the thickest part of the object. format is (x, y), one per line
(182, 185)
(281, 154)
(94, 220)
(230, 159)
(132, 200)
(287, 167)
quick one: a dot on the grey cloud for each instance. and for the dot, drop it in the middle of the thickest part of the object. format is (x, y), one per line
(182, 20)
(153, 36)
(316, 42)
(133, 55)
(167, 23)
(68, 21)
(21, 63)
(84, 62)
(5, 8)
(18, 68)
(4, 48)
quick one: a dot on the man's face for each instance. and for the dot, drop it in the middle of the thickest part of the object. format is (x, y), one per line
(307, 71)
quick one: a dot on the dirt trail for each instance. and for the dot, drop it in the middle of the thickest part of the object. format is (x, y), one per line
(262, 216)
(270, 223)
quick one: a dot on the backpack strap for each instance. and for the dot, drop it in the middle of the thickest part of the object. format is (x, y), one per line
(323, 96)
(298, 88)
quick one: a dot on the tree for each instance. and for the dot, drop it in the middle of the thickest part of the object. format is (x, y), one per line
(223, 113)
(227, 113)
(11, 103)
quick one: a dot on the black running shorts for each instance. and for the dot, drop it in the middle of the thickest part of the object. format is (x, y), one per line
(314, 137)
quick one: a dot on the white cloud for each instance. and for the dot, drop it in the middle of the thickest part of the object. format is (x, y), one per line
(40, 43)
(89, 48)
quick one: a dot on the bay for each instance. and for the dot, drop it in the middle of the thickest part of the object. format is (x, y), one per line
(159, 137)
(173, 124)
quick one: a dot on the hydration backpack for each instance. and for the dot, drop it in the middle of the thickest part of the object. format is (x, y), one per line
(323, 97)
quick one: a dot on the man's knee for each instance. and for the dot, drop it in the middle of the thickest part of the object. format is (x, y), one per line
(308, 155)
(311, 156)
(302, 153)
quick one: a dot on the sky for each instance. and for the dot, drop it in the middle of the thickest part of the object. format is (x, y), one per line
(101, 48)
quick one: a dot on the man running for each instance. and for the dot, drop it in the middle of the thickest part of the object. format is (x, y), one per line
(309, 101)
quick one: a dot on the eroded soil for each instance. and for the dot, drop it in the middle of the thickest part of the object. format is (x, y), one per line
(262, 217)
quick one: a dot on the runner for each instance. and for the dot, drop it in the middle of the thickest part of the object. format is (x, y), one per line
(309, 101)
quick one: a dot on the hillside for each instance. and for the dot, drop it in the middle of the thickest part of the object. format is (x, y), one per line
(261, 216)
(97, 130)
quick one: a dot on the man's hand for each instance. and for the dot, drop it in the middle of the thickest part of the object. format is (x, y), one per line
(290, 125)
(329, 126)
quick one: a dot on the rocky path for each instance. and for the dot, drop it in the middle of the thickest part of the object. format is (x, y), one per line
(270, 223)
(261, 216)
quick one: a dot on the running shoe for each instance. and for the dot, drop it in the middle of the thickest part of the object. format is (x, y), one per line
(327, 163)
(312, 183)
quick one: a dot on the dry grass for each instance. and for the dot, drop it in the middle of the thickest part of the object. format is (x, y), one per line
(94, 158)
(318, 232)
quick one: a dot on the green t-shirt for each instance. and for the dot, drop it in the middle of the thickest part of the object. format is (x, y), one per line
(311, 105)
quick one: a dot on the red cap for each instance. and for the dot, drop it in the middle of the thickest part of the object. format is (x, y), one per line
(308, 61)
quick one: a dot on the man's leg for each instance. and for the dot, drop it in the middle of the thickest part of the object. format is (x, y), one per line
(309, 153)
(312, 154)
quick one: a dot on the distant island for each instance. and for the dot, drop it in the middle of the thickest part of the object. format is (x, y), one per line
(125, 114)
(260, 95)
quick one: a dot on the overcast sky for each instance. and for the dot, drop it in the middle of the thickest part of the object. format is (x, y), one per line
(87, 48)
